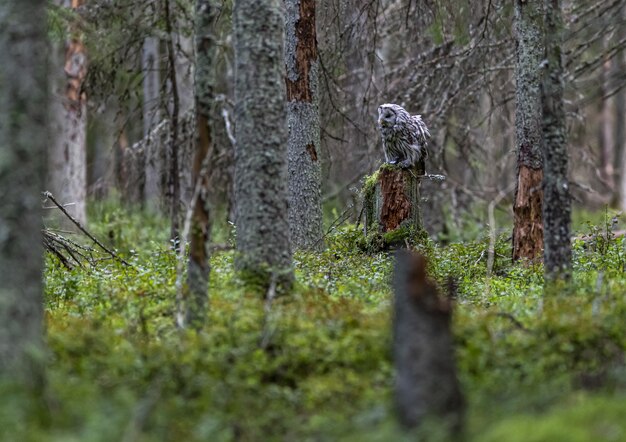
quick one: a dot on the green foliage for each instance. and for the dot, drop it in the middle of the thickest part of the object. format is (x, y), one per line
(316, 365)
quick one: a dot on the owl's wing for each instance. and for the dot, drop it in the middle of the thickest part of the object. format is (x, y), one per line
(422, 134)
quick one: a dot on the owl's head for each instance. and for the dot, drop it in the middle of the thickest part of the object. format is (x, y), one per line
(388, 114)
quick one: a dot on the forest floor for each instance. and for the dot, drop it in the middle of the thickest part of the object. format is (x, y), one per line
(316, 365)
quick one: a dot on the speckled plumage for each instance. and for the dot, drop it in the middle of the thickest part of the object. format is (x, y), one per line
(405, 136)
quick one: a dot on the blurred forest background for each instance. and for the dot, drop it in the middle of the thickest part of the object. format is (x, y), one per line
(451, 62)
(206, 270)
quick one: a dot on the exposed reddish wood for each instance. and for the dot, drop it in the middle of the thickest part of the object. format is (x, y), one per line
(528, 230)
(200, 233)
(396, 205)
(310, 148)
(75, 67)
(306, 52)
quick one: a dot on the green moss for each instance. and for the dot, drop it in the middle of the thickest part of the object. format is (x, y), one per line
(369, 184)
(321, 357)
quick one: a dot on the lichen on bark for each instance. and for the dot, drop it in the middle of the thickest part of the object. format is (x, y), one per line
(557, 201)
(305, 212)
(527, 207)
(261, 218)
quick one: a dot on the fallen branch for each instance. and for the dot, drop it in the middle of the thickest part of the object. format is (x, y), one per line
(48, 196)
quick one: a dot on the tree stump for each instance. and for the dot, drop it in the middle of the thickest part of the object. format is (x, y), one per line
(392, 206)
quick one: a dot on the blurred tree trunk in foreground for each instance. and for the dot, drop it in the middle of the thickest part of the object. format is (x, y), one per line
(305, 198)
(557, 201)
(527, 206)
(23, 140)
(426, 383)
(261, 216)
(200, 234)
(67, 167)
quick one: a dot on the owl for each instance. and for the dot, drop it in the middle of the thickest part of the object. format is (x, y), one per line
(405, 136)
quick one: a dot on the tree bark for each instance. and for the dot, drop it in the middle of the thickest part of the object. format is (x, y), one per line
(392, 206)
(173, 175)
(426, 384)
(557, 201)
(261, 196)
(67, 170)
(200, 234)
(527, 206)
(301, 60)
(23, 141)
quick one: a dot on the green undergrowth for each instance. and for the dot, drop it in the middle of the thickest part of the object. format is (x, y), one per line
(316, 365)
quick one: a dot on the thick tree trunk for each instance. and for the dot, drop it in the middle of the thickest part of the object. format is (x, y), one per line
(67, 170)
(527, 206)
(260, 155)
(154, 168)
(426, 384)
(557, 201)
(200, 234)
(23, 141)
(392, 206)
(305, 205)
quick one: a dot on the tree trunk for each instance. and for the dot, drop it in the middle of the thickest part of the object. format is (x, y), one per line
(184, 65)
(23, 137)
(305, 205)
(67, 170)
(260, 156)
(200, 234)
(426, 384)
(619, 137)
(154, 168)
(173, 172)
(527, 206)
(392, 206)
(557, 201)
(605, 128)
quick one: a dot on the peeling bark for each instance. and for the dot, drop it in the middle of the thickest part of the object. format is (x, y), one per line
(301, 61)
(527, 208)
(67, 171)
(528, 231)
